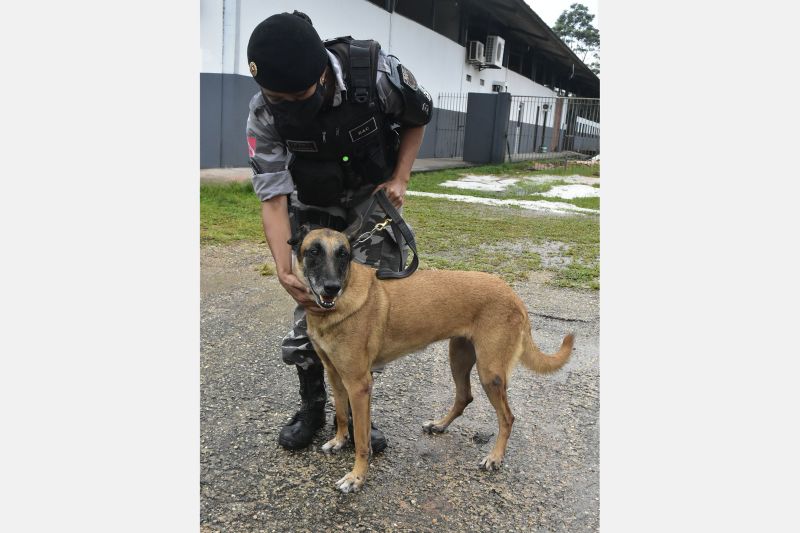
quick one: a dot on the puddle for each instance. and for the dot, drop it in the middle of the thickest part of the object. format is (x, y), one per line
(551, 253)
(573, 191)
(481, 183)
(498, 184)
(534, 205)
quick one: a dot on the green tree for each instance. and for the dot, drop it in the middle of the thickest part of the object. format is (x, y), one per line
(574, 27)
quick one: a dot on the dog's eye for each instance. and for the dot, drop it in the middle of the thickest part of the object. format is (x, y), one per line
(342, 253)
(312, 252)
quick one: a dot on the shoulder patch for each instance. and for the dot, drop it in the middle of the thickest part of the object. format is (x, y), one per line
(408, 79)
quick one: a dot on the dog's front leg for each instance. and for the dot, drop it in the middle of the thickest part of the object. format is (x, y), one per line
(360, 392)
(340, 397)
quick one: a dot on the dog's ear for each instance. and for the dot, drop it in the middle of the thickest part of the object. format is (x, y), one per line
(353, 231)
(298, 236)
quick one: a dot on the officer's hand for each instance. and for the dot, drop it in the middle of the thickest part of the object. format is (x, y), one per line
(395, 190)
(301, 294)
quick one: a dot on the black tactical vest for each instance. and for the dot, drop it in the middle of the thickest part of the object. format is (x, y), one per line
(346, 148)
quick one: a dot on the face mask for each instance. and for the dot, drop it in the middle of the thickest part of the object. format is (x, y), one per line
(299, 112)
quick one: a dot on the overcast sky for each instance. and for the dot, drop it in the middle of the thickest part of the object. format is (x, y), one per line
(549, 10)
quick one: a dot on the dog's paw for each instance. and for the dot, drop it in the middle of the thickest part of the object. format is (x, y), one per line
(333, 445)
(490, 463)
(432, 427)
(350, 483)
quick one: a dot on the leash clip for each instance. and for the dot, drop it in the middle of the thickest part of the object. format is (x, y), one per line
(380, 226)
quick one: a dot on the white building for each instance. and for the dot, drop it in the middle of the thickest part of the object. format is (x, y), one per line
(430, 37)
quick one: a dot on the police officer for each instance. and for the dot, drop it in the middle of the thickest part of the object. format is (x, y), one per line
(333, 123)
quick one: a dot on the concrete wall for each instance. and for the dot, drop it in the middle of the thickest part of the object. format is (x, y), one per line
(436, 61)
(223, 119)
(211, 121)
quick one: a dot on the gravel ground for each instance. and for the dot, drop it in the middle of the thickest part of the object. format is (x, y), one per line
(550, 481)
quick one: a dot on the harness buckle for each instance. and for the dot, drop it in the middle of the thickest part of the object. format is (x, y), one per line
(380, 226)
(361, 95)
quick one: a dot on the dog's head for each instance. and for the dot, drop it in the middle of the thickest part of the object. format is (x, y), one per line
(323, 256)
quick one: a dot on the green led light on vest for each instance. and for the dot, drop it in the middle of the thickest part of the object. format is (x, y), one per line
(345, 158)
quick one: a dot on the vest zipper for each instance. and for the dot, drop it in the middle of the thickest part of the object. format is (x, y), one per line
(323, 136)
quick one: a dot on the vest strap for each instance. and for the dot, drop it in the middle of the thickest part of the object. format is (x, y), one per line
(362, 72)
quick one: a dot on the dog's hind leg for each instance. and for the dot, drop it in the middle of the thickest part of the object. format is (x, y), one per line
(462, 359)
(494, 378)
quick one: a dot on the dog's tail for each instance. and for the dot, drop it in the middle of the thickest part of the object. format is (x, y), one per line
(540, 362)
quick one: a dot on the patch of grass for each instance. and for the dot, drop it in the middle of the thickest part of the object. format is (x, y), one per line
(266, 269)
(229, 212)
(510, 266)
(583, 271)
(561, 169)
(450, 235)
(442, 224)
(429, 181)
(523, 189)
(579, 276)
(592, 202)
(526, 188)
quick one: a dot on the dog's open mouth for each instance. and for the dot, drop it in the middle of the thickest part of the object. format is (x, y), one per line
(326, 302)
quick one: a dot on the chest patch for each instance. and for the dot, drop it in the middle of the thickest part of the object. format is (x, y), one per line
(363, 130)
(302, 146)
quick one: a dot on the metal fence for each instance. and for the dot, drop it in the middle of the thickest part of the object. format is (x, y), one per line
(553, 128)
(451, 116)
(553, 131)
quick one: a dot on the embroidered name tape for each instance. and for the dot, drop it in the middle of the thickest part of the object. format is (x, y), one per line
(363, 130)
(302, 146)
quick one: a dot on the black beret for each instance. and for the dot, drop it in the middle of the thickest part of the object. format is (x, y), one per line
(285, 53)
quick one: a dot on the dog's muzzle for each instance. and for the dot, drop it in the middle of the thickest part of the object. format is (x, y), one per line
(327, 300)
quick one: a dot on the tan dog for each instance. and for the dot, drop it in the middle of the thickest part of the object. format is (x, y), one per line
(372, 322)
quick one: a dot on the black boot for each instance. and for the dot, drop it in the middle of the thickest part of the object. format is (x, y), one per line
(377, 440)
(304, 424)
(376, 437)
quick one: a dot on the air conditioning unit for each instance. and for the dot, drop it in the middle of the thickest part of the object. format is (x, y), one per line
(494, 50)
(475, 52)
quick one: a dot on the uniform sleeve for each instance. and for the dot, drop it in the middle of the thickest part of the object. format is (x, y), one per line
(268, 156)
(388, 95)
(402, 98)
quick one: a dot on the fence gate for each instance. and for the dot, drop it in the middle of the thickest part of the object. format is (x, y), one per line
(451, 116)
(539, 125)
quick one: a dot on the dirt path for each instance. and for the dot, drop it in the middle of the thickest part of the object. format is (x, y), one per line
(421, 482)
